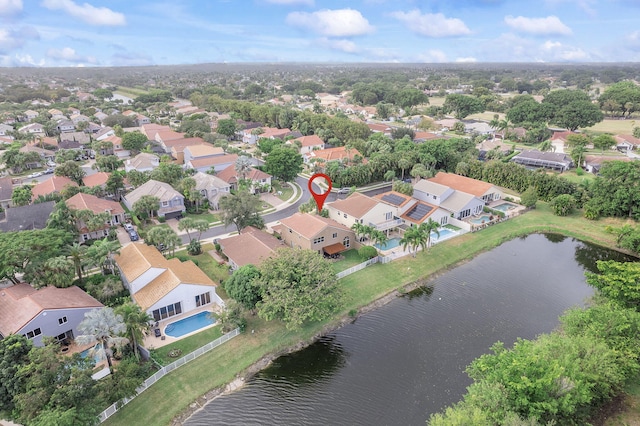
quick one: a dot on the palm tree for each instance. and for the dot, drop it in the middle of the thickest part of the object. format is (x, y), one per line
(360, 230)
(409, 240)
(427, 228)
(101, 254)
(378, 237)
(105, 327)
(136, 322)
(76, 253)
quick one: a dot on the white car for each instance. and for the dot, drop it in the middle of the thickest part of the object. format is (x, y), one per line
(128, 227)
(34, 175)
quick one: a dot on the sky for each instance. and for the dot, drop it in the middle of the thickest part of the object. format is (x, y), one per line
(54, 33)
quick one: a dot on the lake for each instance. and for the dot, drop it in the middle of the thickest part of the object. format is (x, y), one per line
(406, 360)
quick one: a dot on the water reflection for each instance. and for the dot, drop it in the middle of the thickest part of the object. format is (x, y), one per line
(588, 254)
(423, 290)
(555, 238)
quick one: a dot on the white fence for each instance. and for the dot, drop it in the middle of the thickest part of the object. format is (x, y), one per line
(360, 266)
(111, 410)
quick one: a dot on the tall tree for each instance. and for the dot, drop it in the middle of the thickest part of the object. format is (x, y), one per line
(101, 253)
(136, 322)
(241, 286)
(284, 162)
(76, 253)
(618, 281)
(14, 355)
(189, 223)
(243, 166)
(72, 170)
(163, 236)
(105, 327)
(297, 286)
(134, 141)
(146, 205)
(242, 210)
(21, 195)
(462, 105)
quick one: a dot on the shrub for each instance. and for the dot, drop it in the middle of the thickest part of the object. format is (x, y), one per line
(162, 219)
(529, 198)
(563, 205)
(367, 252)
(194, 248)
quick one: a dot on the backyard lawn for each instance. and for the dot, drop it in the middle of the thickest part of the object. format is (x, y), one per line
(208, 264)
(186, 345)
(349, 258)
(285, 189)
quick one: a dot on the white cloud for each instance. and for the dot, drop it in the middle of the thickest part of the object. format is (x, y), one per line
(542, 26)
(10, 7)
(344, 45)
(433, 56)
(557, 51)
(467, 59)
(12, 39)
(432, 24)
(20, 61)
(332, 23)
(292, 2)
(68, 54)
(90, 14)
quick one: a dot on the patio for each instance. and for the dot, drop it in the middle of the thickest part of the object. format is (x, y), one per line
(151, 341)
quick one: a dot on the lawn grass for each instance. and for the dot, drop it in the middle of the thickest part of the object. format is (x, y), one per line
(614, 127)
(173, 394)
(186, 345)
(130, 91)
(572, 176)
(209, 217)
(350, 258)
(213, 269)
(631, 408)
(286, 190)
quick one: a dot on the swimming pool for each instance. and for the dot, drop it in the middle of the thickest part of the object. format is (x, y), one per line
(392, 243)
(189, 324)
(444, 234)
(482, 219)
(504, 207)
(95, 351)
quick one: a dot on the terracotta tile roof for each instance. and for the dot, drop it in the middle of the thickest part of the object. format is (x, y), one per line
(311, 140)
(426, 136)
(462, 183)
(97, 205)
(151, 129)
(309, 225)
(96, 179)
(21, 303)
(213, 161)
(562, 135)
(356, 205)
(252, 246)
(595, 160)
(337, 153)
(167, 135)
(204, 150)
(178, 145)
(49, 186)
(137, 258)
(627, 138)
(274, 132)
(374, 127)
(115, 140)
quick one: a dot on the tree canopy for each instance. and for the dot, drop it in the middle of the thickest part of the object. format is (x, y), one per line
(242, 210)
(284, 162)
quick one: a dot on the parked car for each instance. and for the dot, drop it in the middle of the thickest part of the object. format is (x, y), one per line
(133, 235)
(344, 190)
(34, 175)
(51, 163)
(128, 227)
(48, 171)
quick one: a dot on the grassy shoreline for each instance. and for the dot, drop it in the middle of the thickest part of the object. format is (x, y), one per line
(189, 387)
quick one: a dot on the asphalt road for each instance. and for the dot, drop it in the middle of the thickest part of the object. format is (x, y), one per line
(281, 214)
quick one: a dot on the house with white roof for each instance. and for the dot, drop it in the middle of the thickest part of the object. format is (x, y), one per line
(459, 204)
(164, 287)
(211, 187)
(171, 202)
(143, 162)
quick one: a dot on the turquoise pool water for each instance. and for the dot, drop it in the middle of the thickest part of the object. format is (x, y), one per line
(478, 220)
(96, 352)
(444, 233)
(392, 243)
(189, 324)
(504, 207)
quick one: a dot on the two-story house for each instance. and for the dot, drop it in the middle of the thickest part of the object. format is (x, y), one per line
(459, 204)
(96, 205)
(313, 232)
(171, 202)
(480, 189)
(65, 126)
(50, 311)
(250, 247)
(360, 208)
(53, 185)
(307, 143)
(259, 180)
(143, 162)
(212, 188)
(164, 288)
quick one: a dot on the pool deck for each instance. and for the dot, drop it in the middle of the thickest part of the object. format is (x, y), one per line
(150, 341)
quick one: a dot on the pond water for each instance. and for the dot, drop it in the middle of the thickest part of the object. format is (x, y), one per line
(406, 360)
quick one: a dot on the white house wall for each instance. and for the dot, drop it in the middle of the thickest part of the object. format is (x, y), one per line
(144, 279)
(48, 323)
(186, 295)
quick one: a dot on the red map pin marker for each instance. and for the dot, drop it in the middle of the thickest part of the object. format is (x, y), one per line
(320, 197)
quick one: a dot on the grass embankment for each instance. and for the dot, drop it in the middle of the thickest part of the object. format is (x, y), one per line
(630, 414)
(174, 393)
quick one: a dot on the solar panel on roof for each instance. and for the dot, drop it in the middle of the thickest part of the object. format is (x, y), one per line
(419, 211)
(394, 199)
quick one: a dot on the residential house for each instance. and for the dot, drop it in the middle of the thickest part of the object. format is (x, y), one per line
(5, 129)
(250, 247)
(340, 153)
(250, 136)
(53, 185)
(593, 163)
(100, 116)
(92, 128)
(548, 160)
(30, 115)
(104, 133)
(96, 205)
(79, 118)
(171, 202)
(50, 311)
(164, 138)
(211, 187)
(411, 211)
(6, 191)
(218, 162)
(460, 205)
(117, 149)
(65, 126)
(97, 179)
(178, 146)
(196, 152)
(380, 128)
(626, 143)
(360, 208)
(478, 127)
(143, 162)
(24, 218)
(164, 288)
(307, 143)
(480, 189)
(260, 181)
(426, 136)
(151, 129)
(33, 128)
(45, 155)
(313, 232)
